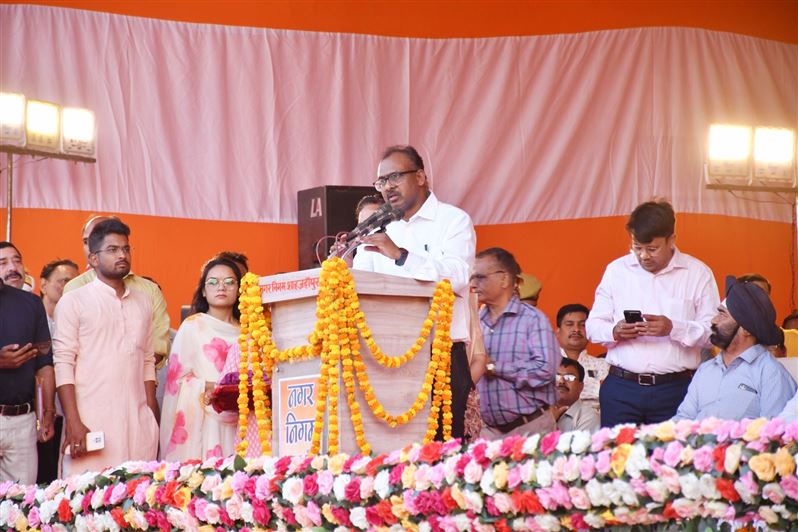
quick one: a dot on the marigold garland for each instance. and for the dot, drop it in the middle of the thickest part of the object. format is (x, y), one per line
(335, 339)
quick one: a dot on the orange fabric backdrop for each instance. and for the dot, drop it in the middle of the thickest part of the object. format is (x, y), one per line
(569, 256)
(772, 19)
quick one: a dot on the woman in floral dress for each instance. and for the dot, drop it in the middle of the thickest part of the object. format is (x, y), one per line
(190, 428)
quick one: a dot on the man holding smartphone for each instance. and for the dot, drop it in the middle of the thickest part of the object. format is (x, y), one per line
(652, 352)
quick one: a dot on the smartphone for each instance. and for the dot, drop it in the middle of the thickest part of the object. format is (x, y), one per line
(94, 442)
(633, 316)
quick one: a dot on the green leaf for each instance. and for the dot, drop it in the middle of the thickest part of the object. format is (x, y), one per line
(239, 463)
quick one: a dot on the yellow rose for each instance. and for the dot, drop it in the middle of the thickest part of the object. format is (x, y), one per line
(195, 480)
(150, 495)
(458, 497)
(226, 490)
(732, 460)
(207, 528)
(500, 475)
(785, 463)
(335, 464)
(619, 457)
(326, 511)
(21, 523)
(409, 476)
(183, 497)
(158, 476)
(754, 428)
(665, 431)
(398, 507)
(763, 466)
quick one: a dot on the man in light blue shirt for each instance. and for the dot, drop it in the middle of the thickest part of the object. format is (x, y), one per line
(744, 380)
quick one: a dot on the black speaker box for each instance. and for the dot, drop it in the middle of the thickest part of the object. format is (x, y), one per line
(325, 211)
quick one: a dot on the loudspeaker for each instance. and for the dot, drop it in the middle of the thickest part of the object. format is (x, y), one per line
(325, 211)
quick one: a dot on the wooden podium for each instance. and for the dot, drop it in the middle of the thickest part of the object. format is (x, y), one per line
(395, 309)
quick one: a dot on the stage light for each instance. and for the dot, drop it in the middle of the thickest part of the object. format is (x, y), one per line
(729, 154)
(77, 131)
(774, 156)
(41, 123)
(12, 119)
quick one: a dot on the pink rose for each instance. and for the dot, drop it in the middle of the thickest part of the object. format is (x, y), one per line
(579, 498)
(773, 429)
(604, 462)
(325, 482)
(702, 459)
(587, 467)
(314, 513)
(200, 505)
(233, 507)
(738, 429)
(790, 486)
(708, 425)
(473, 472)
(673, 453)
(790, 432)
(600, 438)
(548, 444)
(34, 519)
(514, 477)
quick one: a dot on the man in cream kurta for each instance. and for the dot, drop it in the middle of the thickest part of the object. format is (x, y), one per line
(104, 361)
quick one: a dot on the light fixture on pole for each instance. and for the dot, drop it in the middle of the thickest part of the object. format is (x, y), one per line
(43, 129)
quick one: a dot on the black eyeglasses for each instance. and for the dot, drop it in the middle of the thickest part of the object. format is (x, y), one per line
(392, 179)
(113, 250)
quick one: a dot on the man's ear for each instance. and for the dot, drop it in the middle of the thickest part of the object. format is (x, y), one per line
(94, 261)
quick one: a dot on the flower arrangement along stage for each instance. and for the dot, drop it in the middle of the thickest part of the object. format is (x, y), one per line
(340, 324)
(688, 474)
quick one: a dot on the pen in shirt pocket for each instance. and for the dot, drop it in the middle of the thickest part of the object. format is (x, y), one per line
(746, 388)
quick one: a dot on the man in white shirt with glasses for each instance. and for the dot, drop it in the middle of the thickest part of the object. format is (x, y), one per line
(432, 241)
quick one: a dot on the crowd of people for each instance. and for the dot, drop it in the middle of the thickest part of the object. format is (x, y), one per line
(90, 369)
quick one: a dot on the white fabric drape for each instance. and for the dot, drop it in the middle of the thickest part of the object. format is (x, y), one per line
(216, 122)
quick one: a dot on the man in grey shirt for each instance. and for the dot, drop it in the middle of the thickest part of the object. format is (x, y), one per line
(744, 380)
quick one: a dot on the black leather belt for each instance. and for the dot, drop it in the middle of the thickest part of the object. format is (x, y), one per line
(651, 379)
(521, 420)
(16, 410)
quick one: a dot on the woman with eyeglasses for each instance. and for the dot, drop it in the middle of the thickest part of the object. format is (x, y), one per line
(190, 428)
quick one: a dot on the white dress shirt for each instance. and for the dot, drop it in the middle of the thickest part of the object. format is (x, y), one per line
(441, 243)
(684, 291)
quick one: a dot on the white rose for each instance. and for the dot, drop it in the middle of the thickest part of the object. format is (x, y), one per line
(657, 490)
(339, 486)
(596, 493)
(581, 441)
(626, 492)
(531, 444)
(462, 521)
(707, 487)
(486, 483)
(637, 461)
(548, 522)
(564, 443)
(473, 500)
(292, 490)
(716, 509)
(358, 517)
(690, 488)
(493, 449)
(543, 474)
(382, 484)
(594, 520)
(247, 513)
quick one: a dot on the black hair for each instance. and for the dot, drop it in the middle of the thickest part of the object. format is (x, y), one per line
(790, 317)
(235, 257)
(199, 303)
(50, 267)
(371, 199)
(408, 151)
(571, 363)
(755, 278)
(6, 244)
(651, 220)
(112, 226)
(504, 258)
(567, 309)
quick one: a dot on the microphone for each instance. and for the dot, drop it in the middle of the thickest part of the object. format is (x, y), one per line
(381, 217)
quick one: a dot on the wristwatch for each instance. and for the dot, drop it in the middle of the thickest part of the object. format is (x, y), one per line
(402, 257)
(490, 367)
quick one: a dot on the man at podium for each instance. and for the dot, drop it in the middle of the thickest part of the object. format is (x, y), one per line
(432, 241)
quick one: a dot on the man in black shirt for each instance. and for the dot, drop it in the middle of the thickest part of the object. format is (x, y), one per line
(24, 355)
